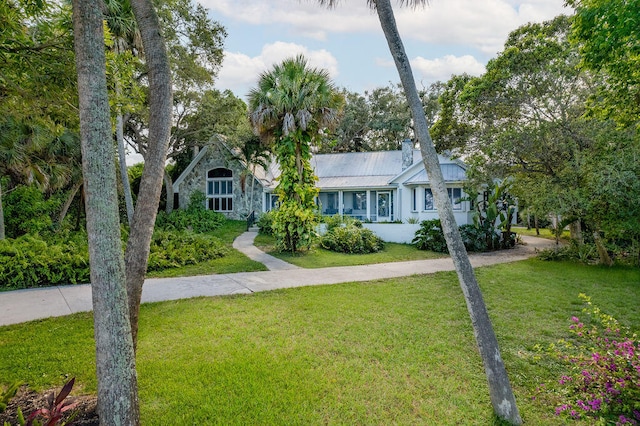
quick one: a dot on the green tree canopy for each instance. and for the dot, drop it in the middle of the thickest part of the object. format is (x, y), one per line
(606, 32)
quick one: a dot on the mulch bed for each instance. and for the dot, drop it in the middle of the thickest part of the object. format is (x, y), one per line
(29, 401)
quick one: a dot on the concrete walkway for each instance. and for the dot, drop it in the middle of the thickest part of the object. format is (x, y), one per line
(25, 305)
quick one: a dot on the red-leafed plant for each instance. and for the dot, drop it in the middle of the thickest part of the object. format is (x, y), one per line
(52, 415)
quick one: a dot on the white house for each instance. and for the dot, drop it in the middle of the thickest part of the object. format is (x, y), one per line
(379, 186)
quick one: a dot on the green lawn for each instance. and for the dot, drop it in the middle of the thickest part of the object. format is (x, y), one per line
(317, 257)
(396, 351)
(544, 233)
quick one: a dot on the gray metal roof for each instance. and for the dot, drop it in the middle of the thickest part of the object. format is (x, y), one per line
(362, 169)
(451, 173)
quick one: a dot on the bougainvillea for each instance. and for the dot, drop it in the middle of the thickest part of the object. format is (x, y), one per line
(602, 370)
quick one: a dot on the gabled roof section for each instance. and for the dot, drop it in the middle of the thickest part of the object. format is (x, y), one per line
(190, 167)
(216, 139)
(453, 170)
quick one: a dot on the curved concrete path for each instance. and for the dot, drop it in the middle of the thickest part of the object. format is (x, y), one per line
(25, 305)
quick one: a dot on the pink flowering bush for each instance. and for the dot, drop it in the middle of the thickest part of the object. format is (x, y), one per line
(602, 377)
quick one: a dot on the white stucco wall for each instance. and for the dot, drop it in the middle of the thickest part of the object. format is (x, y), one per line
(401, 233)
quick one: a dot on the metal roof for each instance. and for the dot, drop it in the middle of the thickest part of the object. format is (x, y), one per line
(362, 169)
(451, 173)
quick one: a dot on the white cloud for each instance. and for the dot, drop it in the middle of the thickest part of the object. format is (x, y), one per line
(428, 71)
(481, 24)
(240, 72)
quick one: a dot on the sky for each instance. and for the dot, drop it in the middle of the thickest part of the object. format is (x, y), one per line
(445, 37)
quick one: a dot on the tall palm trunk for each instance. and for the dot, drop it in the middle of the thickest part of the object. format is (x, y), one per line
(168, 187)
(115, 356)
(2, 235)
(502, 397)
(122, 161)
(160, 105)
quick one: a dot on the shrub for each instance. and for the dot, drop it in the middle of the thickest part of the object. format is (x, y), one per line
(265, 223)
(351, 239)
(584, 253)
(601, 377)
(27, 212)
(332, 221)
(30, 261)
(194, 218)
(473, 238)
(430, 237)
(170, 249)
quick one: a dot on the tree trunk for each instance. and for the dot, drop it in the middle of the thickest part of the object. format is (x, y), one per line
(67, 203)
(502, 397)
(2, 234)
(115, 356)
(576, 231)
(168, 187)
(122, 161)
(160, 109)
(605, 259)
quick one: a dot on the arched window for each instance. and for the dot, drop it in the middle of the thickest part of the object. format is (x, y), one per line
(220, 190)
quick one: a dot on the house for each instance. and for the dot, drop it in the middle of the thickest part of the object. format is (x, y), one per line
(379, 186)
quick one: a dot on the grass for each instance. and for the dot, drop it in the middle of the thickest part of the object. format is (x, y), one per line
(544, 233)
(317, 257)
(233, 262)
(396, 351)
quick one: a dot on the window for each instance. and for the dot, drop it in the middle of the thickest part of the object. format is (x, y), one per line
(454, 195)
(428, 199)
(220, 190)
(360, 200)
(414, 199)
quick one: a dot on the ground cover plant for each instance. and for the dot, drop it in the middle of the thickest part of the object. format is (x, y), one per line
(61, 258)
(395, 351)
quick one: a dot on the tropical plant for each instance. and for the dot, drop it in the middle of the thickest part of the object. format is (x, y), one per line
(500, 391)
(430, 237)
(494, 215)
(292, 104)
(52, 415)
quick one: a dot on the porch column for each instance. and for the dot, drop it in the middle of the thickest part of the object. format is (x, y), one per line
(368, 204)
(340, 203)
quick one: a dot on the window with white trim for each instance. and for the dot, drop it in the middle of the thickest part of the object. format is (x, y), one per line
(428, 199)
(455, 194)
(220, 190)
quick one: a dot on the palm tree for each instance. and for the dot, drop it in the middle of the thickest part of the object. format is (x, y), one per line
(115, 356)
(502, 397)
(160, 114)
(125, 38)
(289, 109)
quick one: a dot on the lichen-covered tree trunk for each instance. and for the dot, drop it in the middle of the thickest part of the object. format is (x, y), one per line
(115, 356)
(502, 397)
(1, 215)
(160, 109)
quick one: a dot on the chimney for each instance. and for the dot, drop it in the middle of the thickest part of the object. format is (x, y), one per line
(407, 153)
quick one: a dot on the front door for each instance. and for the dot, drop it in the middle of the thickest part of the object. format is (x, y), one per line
(384, 207)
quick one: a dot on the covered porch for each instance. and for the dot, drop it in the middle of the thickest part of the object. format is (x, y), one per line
(365, 205)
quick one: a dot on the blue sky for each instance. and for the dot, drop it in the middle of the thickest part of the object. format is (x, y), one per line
(444, 38)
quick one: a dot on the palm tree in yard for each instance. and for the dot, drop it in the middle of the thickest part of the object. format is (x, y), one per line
(292, 105)
(502, 397)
